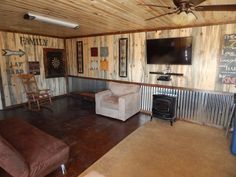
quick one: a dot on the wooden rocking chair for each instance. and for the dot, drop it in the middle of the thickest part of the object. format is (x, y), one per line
(36, 97)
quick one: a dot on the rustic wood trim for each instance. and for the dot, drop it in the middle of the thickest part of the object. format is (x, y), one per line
(151, 29)
(35, 34)
(151, 85)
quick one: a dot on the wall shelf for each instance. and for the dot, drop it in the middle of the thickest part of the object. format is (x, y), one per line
(173, 74)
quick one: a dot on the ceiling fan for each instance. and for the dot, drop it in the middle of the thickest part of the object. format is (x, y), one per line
(190, 6)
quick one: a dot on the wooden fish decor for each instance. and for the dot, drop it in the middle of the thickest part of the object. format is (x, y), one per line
(7, 52)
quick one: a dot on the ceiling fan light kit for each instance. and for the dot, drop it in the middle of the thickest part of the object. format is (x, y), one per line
(32, 16)
(183, 18)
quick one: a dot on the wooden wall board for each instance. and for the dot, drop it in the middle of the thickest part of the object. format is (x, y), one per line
(202, 74)
(13, 90)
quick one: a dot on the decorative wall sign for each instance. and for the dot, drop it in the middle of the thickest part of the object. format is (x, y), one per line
(8, 52)
(123, 56)
(33, 41)
(103, 51)
(34, 67)
(80, 63)
(94, 51)
(227, 65)
(54, 62)
(15, 67)
(94, 65)
(104, 65)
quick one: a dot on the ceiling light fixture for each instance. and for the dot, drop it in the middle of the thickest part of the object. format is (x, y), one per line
(183, 18)
(31, 16)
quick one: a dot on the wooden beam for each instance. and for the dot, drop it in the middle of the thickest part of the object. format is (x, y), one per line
(151, 29)
(146, 84)
(37, 34)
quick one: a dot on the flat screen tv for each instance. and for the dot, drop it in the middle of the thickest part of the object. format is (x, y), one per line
(170, 51)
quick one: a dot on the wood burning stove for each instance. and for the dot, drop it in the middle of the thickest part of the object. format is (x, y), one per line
(163, 107)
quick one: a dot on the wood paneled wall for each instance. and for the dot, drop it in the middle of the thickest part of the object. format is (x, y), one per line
(12, 87)
(202, 74)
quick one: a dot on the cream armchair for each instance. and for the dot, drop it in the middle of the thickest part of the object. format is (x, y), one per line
(120, 101)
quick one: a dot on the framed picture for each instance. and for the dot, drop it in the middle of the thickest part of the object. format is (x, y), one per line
(54, 62)
(123, 56)
(80, 62)
(94, 51)
(104, 52)
(34, 67)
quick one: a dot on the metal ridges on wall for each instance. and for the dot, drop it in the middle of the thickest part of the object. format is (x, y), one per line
(196, 106)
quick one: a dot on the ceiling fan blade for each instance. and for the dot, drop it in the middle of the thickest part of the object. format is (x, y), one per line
(196, 2)
(173, 12)
(154, 5)
(228, 7)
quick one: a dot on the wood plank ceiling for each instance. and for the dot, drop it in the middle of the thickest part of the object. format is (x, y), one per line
(100, 16)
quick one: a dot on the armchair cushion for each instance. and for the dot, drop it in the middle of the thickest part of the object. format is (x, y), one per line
(110, 102)
(119, 89)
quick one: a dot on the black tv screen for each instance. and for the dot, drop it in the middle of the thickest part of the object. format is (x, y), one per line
(171, 51)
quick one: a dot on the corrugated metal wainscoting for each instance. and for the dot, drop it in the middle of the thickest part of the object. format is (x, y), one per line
(197, 106)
